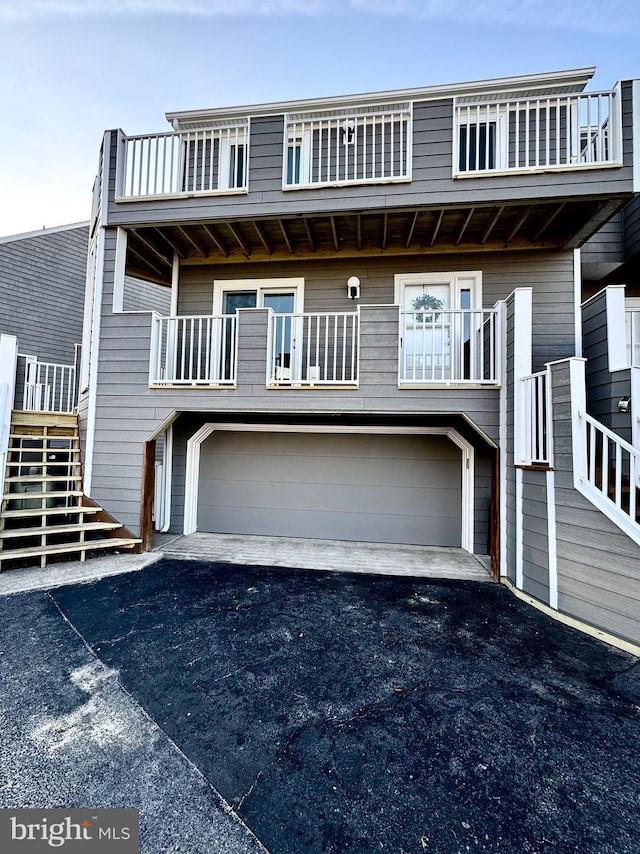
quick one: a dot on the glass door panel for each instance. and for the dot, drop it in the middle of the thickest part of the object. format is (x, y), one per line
(428, 327)
(284, 336)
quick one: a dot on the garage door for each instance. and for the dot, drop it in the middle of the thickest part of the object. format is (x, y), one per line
(371, 488)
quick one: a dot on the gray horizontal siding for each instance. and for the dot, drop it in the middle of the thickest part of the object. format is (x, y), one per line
(631, 228)
(535, 538)
(598, 565)
(604, 388)
(606, 245)
(139, 295)
(432, 183)
(42, 284)
(549, 274)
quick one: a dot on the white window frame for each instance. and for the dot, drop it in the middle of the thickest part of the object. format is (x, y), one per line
(261, 286)
(498, 114)
(457, 281)
(224, 160)
(304, 140)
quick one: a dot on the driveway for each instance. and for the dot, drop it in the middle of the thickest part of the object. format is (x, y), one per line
(331, 712)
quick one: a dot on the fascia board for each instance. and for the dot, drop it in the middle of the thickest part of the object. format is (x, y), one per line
(576, 79)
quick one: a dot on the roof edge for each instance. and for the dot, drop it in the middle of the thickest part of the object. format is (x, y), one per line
(9, 238)
(576, 77)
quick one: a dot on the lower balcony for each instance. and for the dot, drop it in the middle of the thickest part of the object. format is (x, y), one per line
(323, 350)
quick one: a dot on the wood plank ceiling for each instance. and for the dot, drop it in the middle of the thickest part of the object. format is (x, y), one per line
(539, 225)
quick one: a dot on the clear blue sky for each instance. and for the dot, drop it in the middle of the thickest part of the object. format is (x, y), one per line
(69, 69)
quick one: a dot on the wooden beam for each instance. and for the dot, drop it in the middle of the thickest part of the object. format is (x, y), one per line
(242, 243)
(603, 212)
(411, 229)
(154, 249)
(146, 497)
(385, 229)
(144, 259)
(334, 232)
(263, 237)
(491, 225)
(138, 273)
(436, 228)
(287, 239)
(218, 241)
(546, 222)
(521, 221)
(310, 237)
(466, 222)
(170, 243)
(199, 247)
(281, 254)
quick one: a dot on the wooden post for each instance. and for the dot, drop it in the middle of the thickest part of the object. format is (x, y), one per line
(146, 498)
(494, 516)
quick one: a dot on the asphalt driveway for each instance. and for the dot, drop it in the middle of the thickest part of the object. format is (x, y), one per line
(330, 712)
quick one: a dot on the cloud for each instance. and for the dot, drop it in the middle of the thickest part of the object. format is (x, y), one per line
(589, 15)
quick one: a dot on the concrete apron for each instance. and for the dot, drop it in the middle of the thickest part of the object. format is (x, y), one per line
(330, 555)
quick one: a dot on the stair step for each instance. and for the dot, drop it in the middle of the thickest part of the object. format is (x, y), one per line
(49, 511)
(41, 478)
(43, 463)
(59, 529)
(71, 436)
(27, 496)
(67, 548)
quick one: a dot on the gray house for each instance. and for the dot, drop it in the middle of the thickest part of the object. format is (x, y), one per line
(374, 330)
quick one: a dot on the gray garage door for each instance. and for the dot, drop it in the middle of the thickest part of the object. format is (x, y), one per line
(372, 488)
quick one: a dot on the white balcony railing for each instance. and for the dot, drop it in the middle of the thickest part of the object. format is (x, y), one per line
(632, 328)
(452, 346)
(194, 162)
(371, 145)
(193, 351)
(48, 386)
(536, 133)
(536, 420)
(313, 349)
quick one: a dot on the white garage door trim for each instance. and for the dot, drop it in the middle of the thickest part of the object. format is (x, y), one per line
(192, 477)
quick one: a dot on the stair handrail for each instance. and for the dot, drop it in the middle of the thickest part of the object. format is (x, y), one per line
(598, 493)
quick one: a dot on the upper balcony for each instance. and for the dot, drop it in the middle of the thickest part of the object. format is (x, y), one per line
(522, 162)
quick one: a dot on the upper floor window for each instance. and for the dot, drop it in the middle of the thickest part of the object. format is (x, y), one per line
(356, 146)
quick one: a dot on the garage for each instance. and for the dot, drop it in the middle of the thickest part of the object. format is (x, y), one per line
(341, 486)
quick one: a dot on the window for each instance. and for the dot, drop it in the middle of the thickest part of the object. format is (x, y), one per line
(477, 147)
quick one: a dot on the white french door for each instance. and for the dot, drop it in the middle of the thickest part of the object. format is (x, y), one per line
(438, 319)
(285, 297)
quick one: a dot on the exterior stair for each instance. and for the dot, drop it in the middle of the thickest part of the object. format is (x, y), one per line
(45, 513)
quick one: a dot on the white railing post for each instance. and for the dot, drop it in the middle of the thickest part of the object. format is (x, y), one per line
(578, 395)
(8, 364)
(635, 409)
(522, 307)
(616, 341)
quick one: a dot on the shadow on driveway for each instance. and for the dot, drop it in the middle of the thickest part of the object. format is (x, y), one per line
(342, 713)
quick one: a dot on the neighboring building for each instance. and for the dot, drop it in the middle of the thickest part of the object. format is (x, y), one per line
(43, 511)
(42, 284)
(373, 329)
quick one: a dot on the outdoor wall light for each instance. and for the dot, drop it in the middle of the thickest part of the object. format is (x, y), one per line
(353, 287)
(624, 404)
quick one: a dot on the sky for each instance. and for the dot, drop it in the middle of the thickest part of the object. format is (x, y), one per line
(70, 69)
